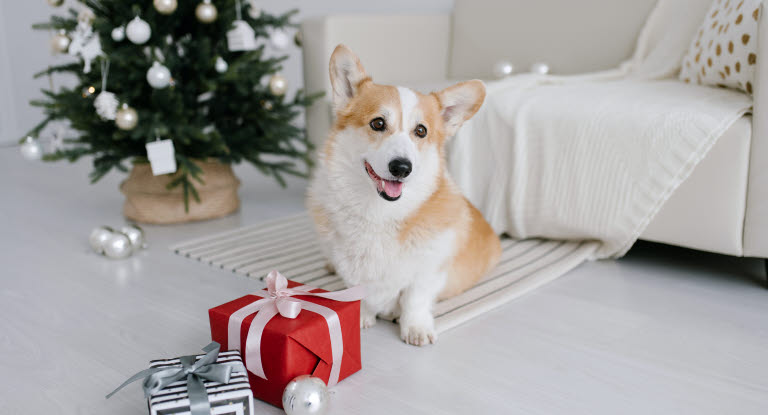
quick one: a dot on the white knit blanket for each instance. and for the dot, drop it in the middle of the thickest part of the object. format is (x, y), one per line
(594, 157)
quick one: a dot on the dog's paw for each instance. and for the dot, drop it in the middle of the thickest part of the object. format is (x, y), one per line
(367, 321)
(418, 335)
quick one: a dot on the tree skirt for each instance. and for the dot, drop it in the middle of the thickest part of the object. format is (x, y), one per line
(289, 245)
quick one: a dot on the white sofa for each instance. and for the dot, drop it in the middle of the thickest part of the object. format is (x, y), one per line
(722, 207)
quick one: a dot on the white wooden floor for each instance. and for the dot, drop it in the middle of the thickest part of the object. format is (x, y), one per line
(663, 331)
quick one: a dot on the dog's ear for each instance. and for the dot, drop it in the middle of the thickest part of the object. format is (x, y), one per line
(459, 103)
(346, 75)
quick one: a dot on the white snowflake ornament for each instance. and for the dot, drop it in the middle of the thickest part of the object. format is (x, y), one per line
(85, 44)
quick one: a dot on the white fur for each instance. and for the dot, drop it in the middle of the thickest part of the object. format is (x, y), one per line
(362, 239)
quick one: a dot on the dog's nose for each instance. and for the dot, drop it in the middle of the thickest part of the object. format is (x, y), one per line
(400, 168)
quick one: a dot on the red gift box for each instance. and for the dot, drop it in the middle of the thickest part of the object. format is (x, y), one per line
(290, 347)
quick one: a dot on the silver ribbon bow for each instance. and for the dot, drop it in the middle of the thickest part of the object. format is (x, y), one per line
(157, 378)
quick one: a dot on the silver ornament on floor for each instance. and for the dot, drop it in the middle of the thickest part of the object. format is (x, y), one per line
(540, 68)
(206, 12)
(165, 6)
(118, 246)
(503, 69)
(278, 85)
(118, 34)
(136, 235)
(158, 76)
(306, 395)
(31, 149)
(106, 104)
(221, 65)
(126, 118)
(138, 31)
(60, 42)
(99, 237)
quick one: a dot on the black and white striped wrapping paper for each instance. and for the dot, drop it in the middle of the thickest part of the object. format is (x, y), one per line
(234, 398)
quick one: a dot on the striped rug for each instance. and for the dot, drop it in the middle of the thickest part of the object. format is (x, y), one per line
(289, 245)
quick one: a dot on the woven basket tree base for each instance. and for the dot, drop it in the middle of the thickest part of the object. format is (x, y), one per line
(147, 200)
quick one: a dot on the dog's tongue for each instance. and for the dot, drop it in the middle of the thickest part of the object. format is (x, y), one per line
(393, 189)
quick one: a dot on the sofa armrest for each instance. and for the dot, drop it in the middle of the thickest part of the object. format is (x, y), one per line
(756, 219)
(393, 49)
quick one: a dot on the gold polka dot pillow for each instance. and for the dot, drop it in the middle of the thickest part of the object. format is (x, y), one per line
(724, 50)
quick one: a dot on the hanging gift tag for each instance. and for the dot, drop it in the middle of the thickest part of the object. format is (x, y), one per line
(241, 37)
(162, 157)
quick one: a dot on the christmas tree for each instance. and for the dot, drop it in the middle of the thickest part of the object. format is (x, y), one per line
(193, 72)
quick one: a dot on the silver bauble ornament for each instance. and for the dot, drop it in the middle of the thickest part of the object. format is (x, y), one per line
(158, 76)
(118, 34)
(165, 6)
(206, 12)
(99, 237)
(279, 39)
(136, 235)
(306, 395)
(138, 31)
(540, 68)
(106, 104)
(55, 3)
(221, 65)
(118, 246)
(503, 69)
(278, 85)
(31, 149)
(60, 42)
(126, 118)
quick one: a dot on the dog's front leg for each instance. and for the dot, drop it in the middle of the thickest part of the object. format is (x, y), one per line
(417, 326)
(378, 300)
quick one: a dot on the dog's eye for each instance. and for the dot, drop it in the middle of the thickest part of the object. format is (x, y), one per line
(421, 131)
(378, 124)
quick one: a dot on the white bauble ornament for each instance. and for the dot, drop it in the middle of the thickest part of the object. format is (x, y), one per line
(306, 395)
(106, 104)
(136, 235)
(55, 3)
(158, 76)
(60, 42)
(206, 12)
(118, 34)
(503, 69)
(278, 85)
(221, 65)
(138, 31)
(126, 118)
(99, 237)
(118, 246)
(31, 149)
(279, 39)
(540, 68)
(165, 6)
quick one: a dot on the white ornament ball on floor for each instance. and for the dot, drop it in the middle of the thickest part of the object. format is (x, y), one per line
(126, 118)
(158, 76)
(221, 65)
(279, 39)
(165, 6)
(503, 69)
(31, 149)
(206, 12)
(118, 246)
(138, 31)
(136, 235)
(278, 85)
(118, 34)
(99, 237)
(60, 42)
(55, 3)
(540, 68)
(106, 104)
(306, 395)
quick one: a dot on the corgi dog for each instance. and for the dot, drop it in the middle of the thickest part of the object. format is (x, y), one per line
(387, 213)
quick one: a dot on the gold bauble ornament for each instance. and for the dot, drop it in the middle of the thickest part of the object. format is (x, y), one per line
(278, 85)
(165, 6)
(60, 42)
(206, 12)
(126, 118)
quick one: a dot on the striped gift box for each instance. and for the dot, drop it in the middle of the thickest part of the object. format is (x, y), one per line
(234, 398)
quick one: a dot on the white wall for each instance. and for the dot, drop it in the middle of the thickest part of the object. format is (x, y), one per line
(24, 51)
